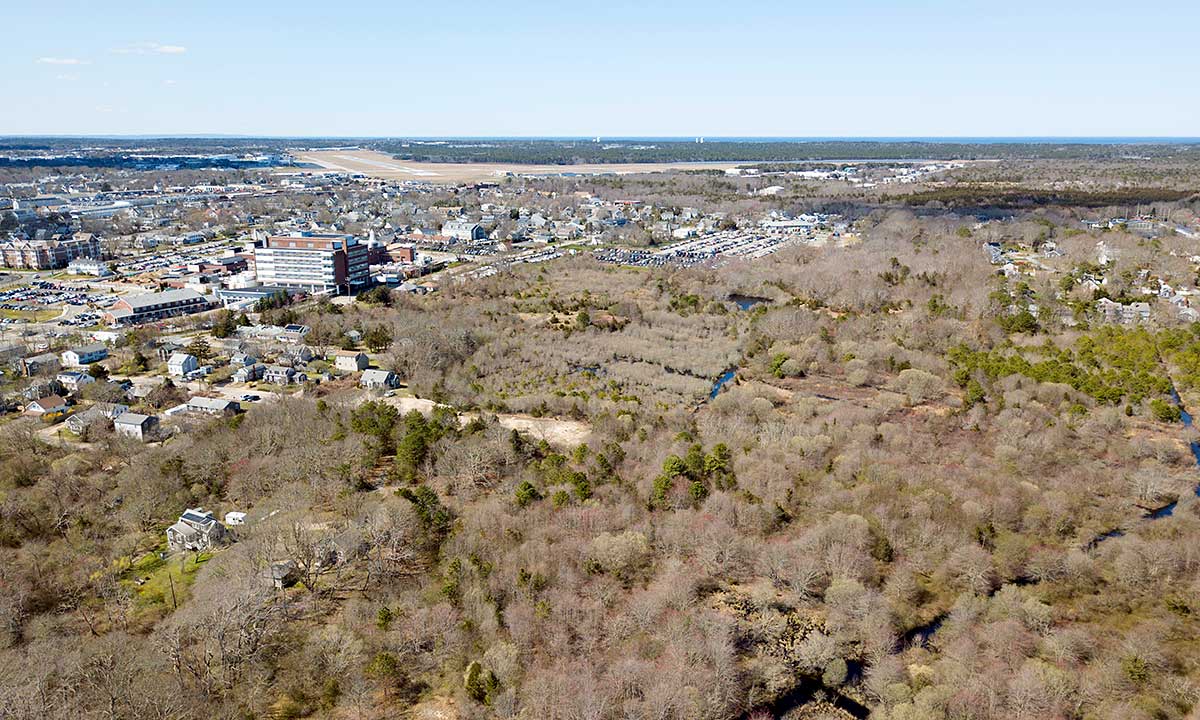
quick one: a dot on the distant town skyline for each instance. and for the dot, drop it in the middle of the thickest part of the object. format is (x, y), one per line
(537, 69)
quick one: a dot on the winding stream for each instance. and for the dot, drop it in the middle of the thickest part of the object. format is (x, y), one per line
(804, 693)
(809, 688)
(745, 302)
(922, 634)
(722, 379)
(1169, 509)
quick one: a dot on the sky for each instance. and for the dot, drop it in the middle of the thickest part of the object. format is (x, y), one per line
(839, 68)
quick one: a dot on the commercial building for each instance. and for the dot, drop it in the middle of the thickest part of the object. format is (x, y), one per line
(250, 295)
(464, 230)
(89, 266)
(317, 263)
(49, 254)
(135, 309)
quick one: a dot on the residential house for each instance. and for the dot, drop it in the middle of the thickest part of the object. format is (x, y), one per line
(1131, 314)
(213, 406)
(283, 375)
(135, 425)
(44, 388)
(249, 373)
(167, 348)
(195, 530)
(241, 359)
(40, 364)
(48, 404)
(73, 380)
(350, 361)
(378, 379)
(182, 364)
(280, 575)
(297, 355)
(294, 333)
(84, 355)
(10, 352)
(98, 413)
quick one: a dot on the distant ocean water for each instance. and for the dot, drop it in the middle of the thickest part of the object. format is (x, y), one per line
(997, 140)
(932, 139)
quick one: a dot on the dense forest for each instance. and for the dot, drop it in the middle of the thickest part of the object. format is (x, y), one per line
(898, 503)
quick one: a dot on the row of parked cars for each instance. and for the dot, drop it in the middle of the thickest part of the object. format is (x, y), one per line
(83, 319)
(43, 293)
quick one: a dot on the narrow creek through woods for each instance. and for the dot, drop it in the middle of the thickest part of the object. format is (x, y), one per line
(1169, 509)
(810, 689)
(807, 691)
(922, 634)
(744, 302)
(722, 379)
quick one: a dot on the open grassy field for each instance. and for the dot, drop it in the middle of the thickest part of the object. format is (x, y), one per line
(30, 315)
(381, 165)
(163, 582)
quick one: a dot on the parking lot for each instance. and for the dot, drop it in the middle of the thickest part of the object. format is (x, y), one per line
(711, 249)
(42, 294)
(162, 258)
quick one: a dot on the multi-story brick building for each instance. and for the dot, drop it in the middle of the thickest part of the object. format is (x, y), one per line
(49, 254)
(313, 262)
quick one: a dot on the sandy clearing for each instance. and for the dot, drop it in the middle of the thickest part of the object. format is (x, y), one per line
(556, 431)
(382, 165)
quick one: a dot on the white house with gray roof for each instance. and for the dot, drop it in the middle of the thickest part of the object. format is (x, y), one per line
(180, 364)
(84, 355)
(213, 406)
(197, 529)
(135, 425)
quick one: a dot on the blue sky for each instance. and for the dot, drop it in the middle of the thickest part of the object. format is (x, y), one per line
(750, 68)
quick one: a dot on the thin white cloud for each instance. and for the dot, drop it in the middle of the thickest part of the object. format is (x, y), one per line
(168, 82)
(150, 49)
(61, 61)
(68, 77)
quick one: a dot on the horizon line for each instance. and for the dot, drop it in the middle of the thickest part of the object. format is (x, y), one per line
(978, 139)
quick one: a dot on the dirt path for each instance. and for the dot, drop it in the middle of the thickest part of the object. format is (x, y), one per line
(49, 434)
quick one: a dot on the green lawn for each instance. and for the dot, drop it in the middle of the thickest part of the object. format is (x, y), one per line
(158, 575)
(31, 315)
